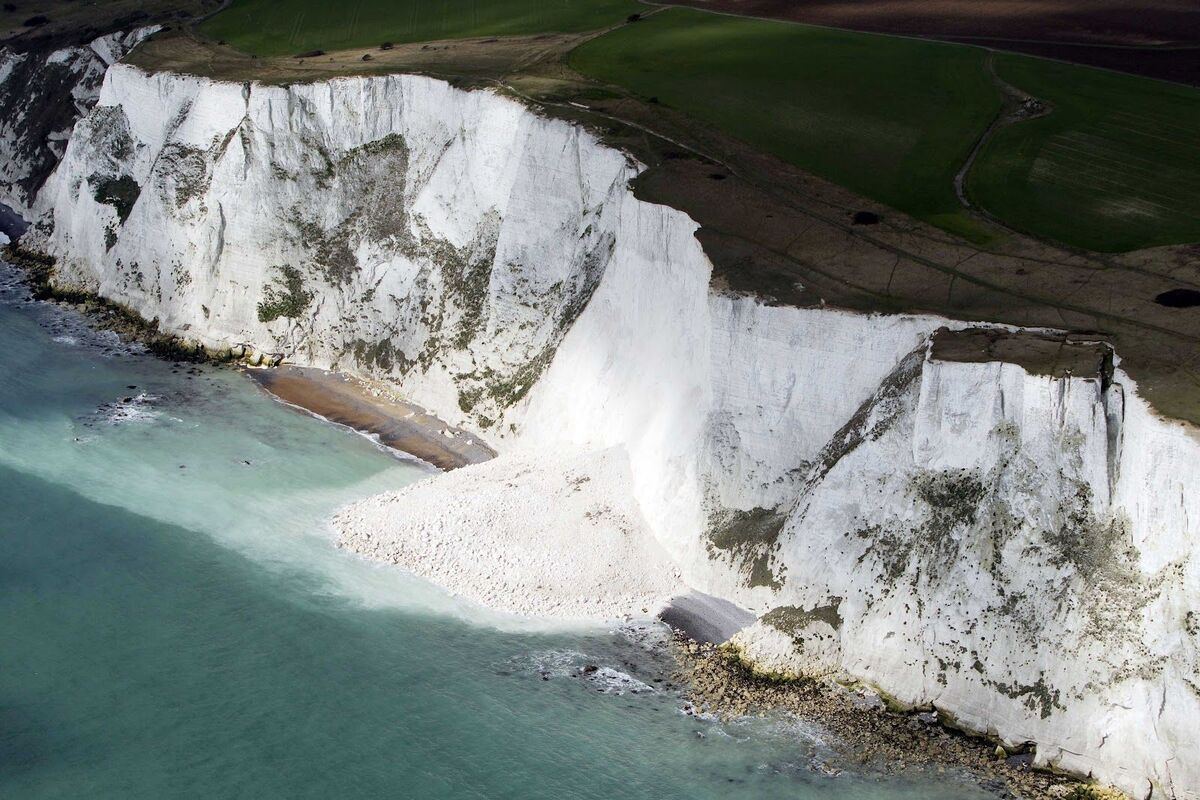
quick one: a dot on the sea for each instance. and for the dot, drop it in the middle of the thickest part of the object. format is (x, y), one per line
(176, 620)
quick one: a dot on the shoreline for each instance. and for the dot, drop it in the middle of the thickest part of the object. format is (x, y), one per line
(715, 681)
(334, 397)
(718, 684)
(353, 403)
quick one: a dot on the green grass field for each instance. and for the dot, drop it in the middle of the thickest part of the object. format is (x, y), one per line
(1114, 167)
(287, 27)
(892, 119)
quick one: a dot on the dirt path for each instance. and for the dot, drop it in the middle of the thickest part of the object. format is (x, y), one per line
(1016, 106)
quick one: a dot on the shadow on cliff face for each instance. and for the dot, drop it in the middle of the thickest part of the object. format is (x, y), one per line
(12, 224)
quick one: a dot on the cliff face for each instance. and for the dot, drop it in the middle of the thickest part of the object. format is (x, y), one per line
(984, 539)
(394, 226)
(41, 97)
(1013, 544)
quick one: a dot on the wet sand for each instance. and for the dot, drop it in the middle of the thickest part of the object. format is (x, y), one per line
(704, 618)
(348, 401)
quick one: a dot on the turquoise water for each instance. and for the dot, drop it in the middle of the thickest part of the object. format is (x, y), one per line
(176, 622)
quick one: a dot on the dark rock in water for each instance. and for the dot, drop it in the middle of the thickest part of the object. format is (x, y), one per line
(588, 669)
(995, 786)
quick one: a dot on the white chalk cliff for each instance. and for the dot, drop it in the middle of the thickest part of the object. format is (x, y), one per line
(1020, 550)
(41, 97)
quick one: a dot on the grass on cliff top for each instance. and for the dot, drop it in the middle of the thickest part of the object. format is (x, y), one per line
(889, 118)
(290, 27)
(1114, 167)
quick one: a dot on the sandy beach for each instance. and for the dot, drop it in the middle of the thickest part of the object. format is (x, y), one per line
(399, 425)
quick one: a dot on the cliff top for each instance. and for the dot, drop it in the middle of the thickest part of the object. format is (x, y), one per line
(1054, 354)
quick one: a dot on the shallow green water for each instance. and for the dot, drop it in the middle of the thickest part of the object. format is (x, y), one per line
(176, 622)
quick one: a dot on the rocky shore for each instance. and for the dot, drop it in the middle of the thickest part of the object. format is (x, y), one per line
(105, 314)
(337, 398)
(870, 734)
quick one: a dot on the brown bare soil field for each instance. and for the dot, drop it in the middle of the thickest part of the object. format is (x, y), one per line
(1180, 64)
(1156, 38)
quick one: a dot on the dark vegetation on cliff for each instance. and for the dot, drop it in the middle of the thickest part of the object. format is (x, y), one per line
(120, 192)
(287, 298)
